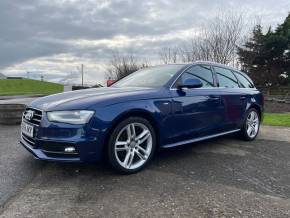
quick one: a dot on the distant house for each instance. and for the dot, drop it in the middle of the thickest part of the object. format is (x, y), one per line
(2, 76)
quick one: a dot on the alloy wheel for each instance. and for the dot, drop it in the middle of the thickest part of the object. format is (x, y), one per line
(252, 125)
(133, 145)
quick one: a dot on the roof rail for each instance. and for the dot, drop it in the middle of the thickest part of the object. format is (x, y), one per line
(215, 63)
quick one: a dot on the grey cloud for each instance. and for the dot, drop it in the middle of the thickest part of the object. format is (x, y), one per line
(41, 28)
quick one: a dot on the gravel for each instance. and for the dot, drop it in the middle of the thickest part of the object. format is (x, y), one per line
(223, 177)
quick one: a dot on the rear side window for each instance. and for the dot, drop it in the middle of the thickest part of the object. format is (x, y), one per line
(245, 83)
(201, 72)
(226, 78)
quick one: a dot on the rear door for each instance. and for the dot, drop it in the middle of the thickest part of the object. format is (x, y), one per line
(233, 100)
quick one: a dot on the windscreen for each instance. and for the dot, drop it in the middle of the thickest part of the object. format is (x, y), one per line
(151, 77)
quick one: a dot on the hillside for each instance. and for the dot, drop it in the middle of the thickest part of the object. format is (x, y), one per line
(28, 87)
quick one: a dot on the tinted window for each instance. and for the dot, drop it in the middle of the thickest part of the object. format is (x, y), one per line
(201, 72)
(226, 78)
(149, 77)
(245, 83)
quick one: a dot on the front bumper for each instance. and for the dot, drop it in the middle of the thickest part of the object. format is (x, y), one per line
(42, 155)
(54, 150)
(50, 140)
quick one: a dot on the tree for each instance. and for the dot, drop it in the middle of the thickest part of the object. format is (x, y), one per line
(123, 65)
(266, 57)
(252, 56)
(220, 39)
(168, 55)
(216, 42)
(283, 49)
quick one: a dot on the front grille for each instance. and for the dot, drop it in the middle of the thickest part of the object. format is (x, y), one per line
(28, 140)
(35, 116)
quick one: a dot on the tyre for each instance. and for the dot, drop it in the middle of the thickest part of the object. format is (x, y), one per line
(251, 125)
(131, 145)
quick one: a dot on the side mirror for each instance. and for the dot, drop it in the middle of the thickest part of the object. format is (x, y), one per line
(191, 84)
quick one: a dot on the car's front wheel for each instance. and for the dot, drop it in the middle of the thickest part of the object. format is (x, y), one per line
(251, 125)
(131, 145)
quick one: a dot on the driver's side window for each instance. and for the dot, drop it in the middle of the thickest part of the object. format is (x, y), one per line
(201, 72)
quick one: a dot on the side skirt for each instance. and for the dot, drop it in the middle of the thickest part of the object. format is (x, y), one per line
(198, 139)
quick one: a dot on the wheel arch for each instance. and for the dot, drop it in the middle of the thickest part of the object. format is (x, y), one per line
(132, 113)
(258, 108)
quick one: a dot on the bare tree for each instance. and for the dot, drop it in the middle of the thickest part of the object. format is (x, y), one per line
(216, 42)
(185, 54)
(168, 55)
(123, 65)
(222, 37)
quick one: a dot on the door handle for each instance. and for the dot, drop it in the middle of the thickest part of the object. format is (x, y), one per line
(214, 98)
(243, 98)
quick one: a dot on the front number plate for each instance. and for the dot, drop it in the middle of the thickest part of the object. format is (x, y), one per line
(27, 129)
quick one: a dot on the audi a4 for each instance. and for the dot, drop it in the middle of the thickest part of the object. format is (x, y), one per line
(156, 107)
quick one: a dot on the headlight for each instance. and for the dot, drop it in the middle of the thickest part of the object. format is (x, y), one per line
(71, 117)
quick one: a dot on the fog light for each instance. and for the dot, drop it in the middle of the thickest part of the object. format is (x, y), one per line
(70, 149)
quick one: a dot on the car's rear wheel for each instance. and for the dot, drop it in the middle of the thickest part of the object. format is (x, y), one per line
(251, 125)
(131, 145)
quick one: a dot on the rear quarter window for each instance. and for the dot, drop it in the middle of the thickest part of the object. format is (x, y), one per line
(244, 82)
(226, 78)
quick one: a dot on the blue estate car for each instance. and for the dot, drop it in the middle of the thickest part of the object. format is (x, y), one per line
(156, 107)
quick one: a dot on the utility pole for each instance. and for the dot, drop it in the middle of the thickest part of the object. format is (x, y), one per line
(82, 69)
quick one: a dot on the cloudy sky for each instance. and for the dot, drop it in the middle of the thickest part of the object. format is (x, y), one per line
(54, 37)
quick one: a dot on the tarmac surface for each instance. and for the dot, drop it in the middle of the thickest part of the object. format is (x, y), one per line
(222, 177)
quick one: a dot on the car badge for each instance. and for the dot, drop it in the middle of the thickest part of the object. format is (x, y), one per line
(29, 115)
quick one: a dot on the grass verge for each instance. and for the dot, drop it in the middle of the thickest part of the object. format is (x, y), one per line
(28, 87)
(275, 119)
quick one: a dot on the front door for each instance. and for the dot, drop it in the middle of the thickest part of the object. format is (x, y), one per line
(196, 112)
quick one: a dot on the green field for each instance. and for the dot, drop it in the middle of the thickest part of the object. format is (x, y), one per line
(28, 87)
(274, 119)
